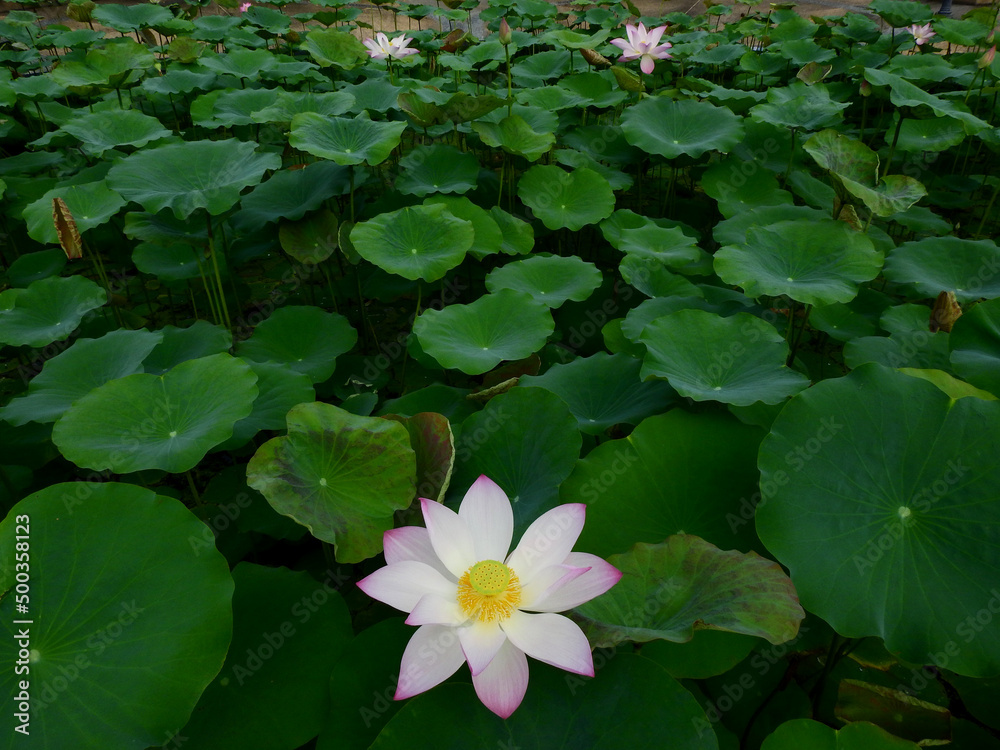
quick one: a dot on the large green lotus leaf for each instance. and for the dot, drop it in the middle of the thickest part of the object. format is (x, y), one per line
(551, 279)
(630, 704)
(664, 479)
(200, 339)
(566, 199)
(126, 18)
(373, 95)
(478, 336)
(424, 113)
(437, 169)
(301, 338)
(859, 735)
(35, 265)
(669, 590)
(670, 128)
(291, 194)
(604, 390)
(331, 47)
(176, 261)
(127, 626)
(223, 109)
(855, 166)
(279, 389)
(187, 176)
(90, 203)
(738, 185)
(291, 103)
(905, 94)
(923, 68)
(654, 279)
(900, 13)
(733, 231)
(737, 360)
(240, 62)
(669, 246)
(434, 445)
(800, 106)
(975, 346)
(166, 422)
(967, 32)
(647, 311)
(310, 241)
(909, 344)
(487, 237)
(341, 476)
(416, 242)
(72, 374)
(289, 631)
(110, 128)
(969, 268)
(815, 262)
(515, 136)
(527, 441)
(578, 160)
(882, 505)
(345, 140)
(462, 107)
(47, 310)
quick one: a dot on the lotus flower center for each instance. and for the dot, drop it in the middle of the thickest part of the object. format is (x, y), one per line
(489, 591)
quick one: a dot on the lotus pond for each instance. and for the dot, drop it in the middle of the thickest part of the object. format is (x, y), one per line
(715, 309)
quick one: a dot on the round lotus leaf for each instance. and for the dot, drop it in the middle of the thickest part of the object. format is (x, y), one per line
(126, 18)
(279, 388)
(47, 310)
(437, 169)
(626, 503)
(604, 390)
(934, 134)
(900, 13)
(880, 499)
(127, 627)
(669, 246)
(632, 700)
(187, 176)
(345, 140)
(166, 422)
(975, 346)
(514, 135)
(670, 128)
(73, 373)
(550, 279)
(91, 204)
(342, 476)
(291, 194)
(859, 735)
(969, 268)
(223, 109)
(800, 106)
(566, 199)
(476, 337)
(301, 338)
(373, 95)
(181, 344)
(175, 261)
(289, 631)
(110, 128)
(815, 262)
(417, 242)
(902, 93)
(291, 103)
(39, 264)
(332, 47)
(313, 240)
(240, 63)
(518, 236)
(738, 360)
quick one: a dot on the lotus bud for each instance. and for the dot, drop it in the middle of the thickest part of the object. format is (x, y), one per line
(595, 58)
(506, 37)
(865, 89)
(987, 59)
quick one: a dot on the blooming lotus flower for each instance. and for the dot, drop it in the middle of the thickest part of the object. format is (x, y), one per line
(643, 45)
(244, 7)
(383, 48)
(921, 34)
(472, 601)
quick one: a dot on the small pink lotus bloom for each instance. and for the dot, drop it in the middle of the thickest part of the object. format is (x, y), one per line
(383, 48)
(244, 7)
(643, 45)
(987, 59)
(921, 34)
(471, 607)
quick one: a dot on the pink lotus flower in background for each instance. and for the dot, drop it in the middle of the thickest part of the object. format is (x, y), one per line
(383, 48)
(244, 7)
(643, 45)
(471, 600)
(921, 34)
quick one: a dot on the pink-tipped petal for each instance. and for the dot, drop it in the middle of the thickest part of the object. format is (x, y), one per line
(501, 686)
(437, 610)
(620, 44)
(544, 581)
(412, 543)
(654, 36)
(431, 657)
(548, 540)
(489, 518)
(634, 36)
(647, 64)
(600, 576)
(449, 536)
(551, 638)
(401, 585)
(480, 643)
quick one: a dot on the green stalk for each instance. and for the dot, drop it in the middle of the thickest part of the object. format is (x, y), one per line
(218, 276)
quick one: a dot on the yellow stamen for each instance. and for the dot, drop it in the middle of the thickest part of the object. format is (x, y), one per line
(489, 591)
